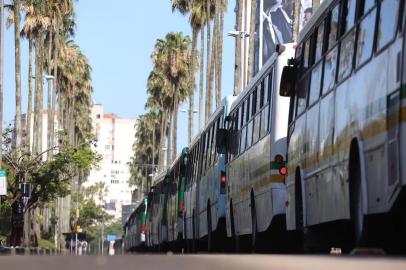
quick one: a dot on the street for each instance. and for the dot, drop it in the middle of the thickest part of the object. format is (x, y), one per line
(196, 262)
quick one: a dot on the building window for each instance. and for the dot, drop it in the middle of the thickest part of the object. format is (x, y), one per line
(97, 116)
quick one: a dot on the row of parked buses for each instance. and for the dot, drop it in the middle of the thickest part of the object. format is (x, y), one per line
(331, 111)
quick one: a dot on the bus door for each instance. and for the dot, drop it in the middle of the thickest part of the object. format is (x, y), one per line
(396, 131)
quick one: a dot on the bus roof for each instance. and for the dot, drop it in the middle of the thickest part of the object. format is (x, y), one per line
(159, 178)
(225, 100)
(254, 80)
(313, 20)
(136, 206)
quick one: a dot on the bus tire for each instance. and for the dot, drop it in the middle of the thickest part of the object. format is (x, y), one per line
(356, 204)
(209, 229)
(185, 239)
(234, 236)
(194, 232)
(254, 228)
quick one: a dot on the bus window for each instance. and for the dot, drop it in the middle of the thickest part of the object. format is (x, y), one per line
(265, 118)
(233, 124)
(368, 4)
(265, 89)
(315, 82)
(298, 56)
(350, 7)
(302, 95)
(260, 96)
(247, 110)
(241, 115)
(257, 128)
(243, 136)
(330, 66)
(387, 22)
(333, 26)
(249, 134)
(346, 55)
(253, 103)
(270, 85)
(319, 42)
(365, 39)
(306, 60)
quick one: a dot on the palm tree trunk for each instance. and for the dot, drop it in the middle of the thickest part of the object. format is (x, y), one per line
(208, 66)
(250, 70)
(169, 138)
(37, 134)
(237, 72)
(164, 124)
(201, 79)
(193, 86)
(49, 104)
(213, 64)
(54, 85)
(29, 109)
(175, 130)
(219, 57)
(17, 73)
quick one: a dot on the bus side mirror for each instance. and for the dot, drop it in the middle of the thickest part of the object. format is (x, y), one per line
(288, 81)
(221, 141)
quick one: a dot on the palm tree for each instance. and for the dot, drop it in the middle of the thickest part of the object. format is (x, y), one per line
(172, 56)
(60, 14)
(17, 72)
(196, 11)
(14, 18)
(219, 49)
(209, 95)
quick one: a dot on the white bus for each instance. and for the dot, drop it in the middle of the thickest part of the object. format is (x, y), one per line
(205, 194)
(256, 143)
(347, 132)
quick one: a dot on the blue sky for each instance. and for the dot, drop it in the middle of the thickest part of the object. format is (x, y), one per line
(118, 38)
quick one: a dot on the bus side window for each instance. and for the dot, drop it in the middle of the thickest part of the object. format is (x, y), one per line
(242, 141)
(365, 39)
(260, 96)
(367, 5)
(387, 22)
(315, 82)
(247, 110)
(241, 116)
(319, 42)
(330, 68)
(265, 90)
(333, 26)
(306, 60)
(249, 134)
(302, 90)
(346, 56)
(253, 103)
(270, 83)
(349, 8)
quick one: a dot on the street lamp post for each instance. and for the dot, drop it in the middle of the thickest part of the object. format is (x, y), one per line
(190, 132)
(243, 35)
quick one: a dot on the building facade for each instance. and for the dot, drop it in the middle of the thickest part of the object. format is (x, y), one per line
(115, 137)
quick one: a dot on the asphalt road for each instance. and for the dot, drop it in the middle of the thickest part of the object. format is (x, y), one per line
(203, 262)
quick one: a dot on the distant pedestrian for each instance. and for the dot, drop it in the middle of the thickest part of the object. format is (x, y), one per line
(17, 219)
(84, 247)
